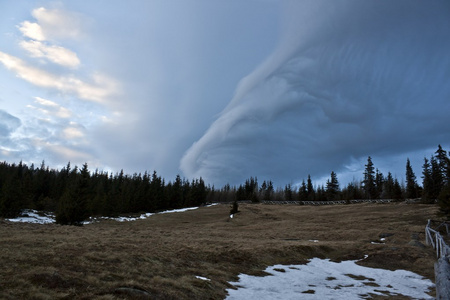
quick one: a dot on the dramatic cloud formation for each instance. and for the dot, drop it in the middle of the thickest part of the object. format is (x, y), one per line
(148, 85)
(350, 79)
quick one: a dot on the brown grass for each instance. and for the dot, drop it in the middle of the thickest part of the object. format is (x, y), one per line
(158, 258)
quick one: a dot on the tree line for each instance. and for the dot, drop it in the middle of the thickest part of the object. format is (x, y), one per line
(375, 185)
(75, 194)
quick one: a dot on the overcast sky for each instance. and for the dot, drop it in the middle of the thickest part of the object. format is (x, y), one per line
(225, 90)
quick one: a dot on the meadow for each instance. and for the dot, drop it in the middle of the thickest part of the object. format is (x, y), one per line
(195, 254)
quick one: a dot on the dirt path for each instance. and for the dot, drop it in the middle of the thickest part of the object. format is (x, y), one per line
(161, 256)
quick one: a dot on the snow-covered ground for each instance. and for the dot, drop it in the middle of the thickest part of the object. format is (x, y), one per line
(324, 279)
(33, 216)
(141, 217)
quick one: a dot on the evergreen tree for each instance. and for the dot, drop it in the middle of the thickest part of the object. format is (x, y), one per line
(427, 183)
(442, 161)
(269, 191)
(251, 189)
(352, 191)
(444, 193)
(12, 196)
(411, 183)
(437, 181)
(303, 192)
(288, 194)
(310, 189)
(332, 189)
(379, 181)
(263, 189)
(72, 209)
(397, 190)
(389, 187)
(369, 180)
(175, 193)
(321, 194)
(240, 193)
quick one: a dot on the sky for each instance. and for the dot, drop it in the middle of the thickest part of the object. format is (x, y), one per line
(225, 90)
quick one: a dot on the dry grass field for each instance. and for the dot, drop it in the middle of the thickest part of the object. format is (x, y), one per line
(160, 257)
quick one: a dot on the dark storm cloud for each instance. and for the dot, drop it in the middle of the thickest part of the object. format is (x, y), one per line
(350, 79)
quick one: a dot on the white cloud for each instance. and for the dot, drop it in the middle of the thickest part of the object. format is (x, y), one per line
(32, 30)
(53, 108)
(72, 133)
(61, 152)
(56, 54)
(58, 23)
(99, 91)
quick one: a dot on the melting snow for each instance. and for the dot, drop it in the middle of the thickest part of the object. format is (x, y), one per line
(382, 241)
(178, 210)
(202, 278)
(324, 279)
(33, 216)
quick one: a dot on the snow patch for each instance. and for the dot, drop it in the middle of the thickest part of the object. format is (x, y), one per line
(381, 242)
(202, 278)
(178, 210)
(35, 217)
(324, 279)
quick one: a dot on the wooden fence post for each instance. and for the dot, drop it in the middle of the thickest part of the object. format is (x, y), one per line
(442, 275)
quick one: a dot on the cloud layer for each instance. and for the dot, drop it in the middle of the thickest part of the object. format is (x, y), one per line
(349, 79)
(133, 85)
(53, 126)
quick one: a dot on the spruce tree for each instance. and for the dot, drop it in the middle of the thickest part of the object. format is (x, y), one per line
(369, 180)
(11, 197)
(398, 194)
(72, 207)
(303, 192)
(442, 160)
(411, 183)
(437, 180)
(263, 190)
(388, 187)
(332, 189)
(288, 194)
(269, 191)
(426, 181)
(310, 189)
(379, 181)
(444, 193)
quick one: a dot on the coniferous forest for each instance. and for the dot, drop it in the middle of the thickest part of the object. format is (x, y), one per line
(74, 193)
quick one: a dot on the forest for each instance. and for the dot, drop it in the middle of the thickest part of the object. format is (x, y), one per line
(74, 193)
